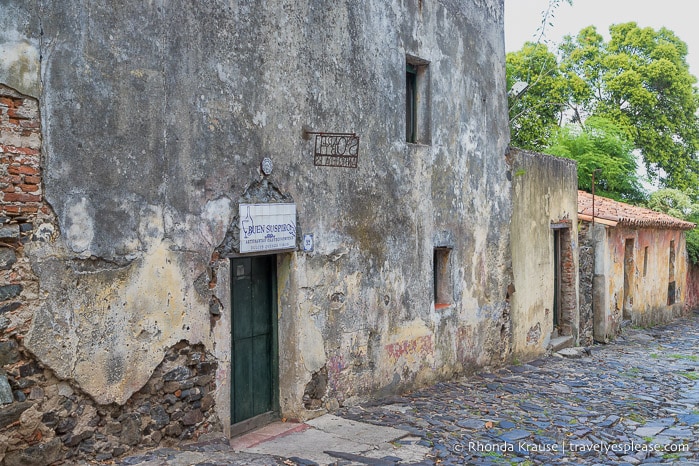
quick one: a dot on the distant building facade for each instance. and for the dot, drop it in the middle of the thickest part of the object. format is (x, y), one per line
(639, 262)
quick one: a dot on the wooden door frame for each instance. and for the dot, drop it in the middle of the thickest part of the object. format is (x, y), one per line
(272, 415)
(222, 342)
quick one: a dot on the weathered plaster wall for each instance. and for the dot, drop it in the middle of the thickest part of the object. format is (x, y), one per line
(44, 419)
(586, 260)
(648, 284)
(544, 192)
(155, 118)
(650, 290)
(20, 46)
(692, 288)
(606, 319)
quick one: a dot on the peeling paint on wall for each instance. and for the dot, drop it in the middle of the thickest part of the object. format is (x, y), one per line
(150, 146)
(534, 334)
(419, 349)
(117, 334)
(544, 195)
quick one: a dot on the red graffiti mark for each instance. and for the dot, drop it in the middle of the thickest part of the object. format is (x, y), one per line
(421, 345)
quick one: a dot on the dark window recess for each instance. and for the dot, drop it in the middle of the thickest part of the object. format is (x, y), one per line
(671, 287)
(417, 101)
(645, 261)
(442, 278)
(671, 264)
(671, 293)
(410, 103)
(629, 274)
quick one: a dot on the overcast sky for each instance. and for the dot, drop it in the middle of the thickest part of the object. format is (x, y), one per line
(523, 17)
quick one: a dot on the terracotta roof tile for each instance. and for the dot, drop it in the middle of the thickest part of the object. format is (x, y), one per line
(628, 215)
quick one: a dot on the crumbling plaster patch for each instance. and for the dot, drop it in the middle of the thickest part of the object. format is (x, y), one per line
(19, 53)
(111, 327)
(113, 320)
(79, 226)
(311, 344)
(19, 67)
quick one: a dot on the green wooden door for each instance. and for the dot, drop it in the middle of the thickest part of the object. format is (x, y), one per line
(254, 337)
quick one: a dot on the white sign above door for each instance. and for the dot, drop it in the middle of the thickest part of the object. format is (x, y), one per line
(267, 227)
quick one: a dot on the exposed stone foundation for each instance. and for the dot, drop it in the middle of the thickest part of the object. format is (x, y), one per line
(50, 420)
(44, 419)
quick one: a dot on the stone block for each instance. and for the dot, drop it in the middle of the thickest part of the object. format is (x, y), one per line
(207, 402)
(173, 430)
(178, 374)
(9, 232)
(8, 308)
(206, 368)
(9, 291)
(49, 419)
(29, 369)
(36, 393)
(36, 455)
(9, 352)
(7, 258)
(192, 417)
(65, 425)
(160, 417)
(203, 380)
(71, 440)
(12, 412)
(130, 430)
(6, 396)
(65, 390)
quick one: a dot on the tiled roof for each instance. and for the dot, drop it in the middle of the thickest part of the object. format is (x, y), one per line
(618, 213)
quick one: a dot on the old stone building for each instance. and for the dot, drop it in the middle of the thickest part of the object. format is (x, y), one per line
(544, 240)
(219, 212)
(638, 263)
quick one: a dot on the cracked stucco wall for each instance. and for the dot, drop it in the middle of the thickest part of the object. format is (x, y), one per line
(545, 191)
(647, 300)
(155, 117)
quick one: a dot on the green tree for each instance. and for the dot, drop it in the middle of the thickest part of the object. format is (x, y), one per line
(678, 204)
(639, 80)
(537, 96)
(673, 202)
(600, 146)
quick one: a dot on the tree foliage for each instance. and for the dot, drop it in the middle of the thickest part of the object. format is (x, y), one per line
(535, 109)
(603, 148)
(639, 80)
(678, 204)
(673, 202)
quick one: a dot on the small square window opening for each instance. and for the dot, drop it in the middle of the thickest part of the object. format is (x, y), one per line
(442, 278)
(410, 103)
(417, 101)
(645, 261)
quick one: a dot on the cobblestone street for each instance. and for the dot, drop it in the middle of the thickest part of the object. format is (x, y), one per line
(635, 401)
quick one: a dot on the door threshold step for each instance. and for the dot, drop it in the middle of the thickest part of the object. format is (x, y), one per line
(558, 343)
